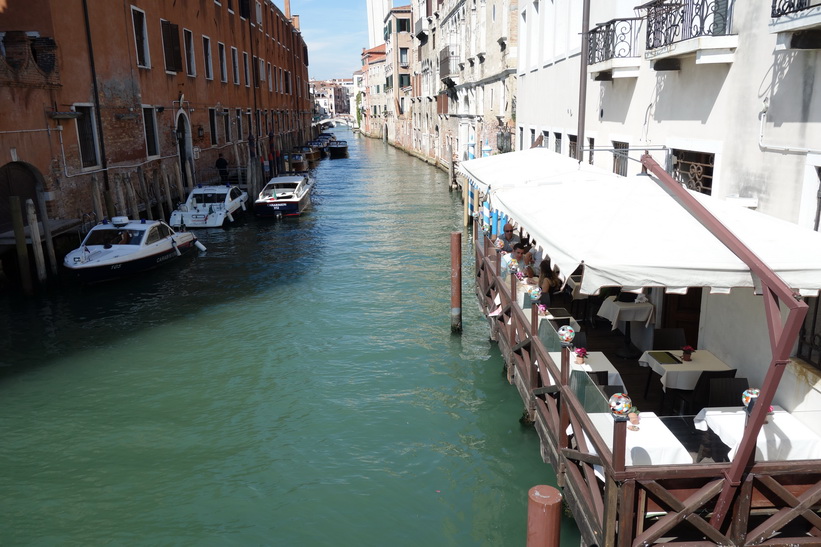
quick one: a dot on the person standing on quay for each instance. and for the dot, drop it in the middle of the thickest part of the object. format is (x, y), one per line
(222, 167)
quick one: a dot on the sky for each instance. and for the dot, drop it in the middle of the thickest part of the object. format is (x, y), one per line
(335, 32)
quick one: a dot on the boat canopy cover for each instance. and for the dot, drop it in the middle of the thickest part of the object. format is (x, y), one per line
(629, 232)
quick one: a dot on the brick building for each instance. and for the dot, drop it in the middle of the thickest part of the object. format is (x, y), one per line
(111, 106)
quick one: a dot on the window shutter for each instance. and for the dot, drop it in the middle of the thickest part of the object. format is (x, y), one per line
(171, 46)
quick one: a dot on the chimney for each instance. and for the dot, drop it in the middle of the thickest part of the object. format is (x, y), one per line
(288, 9)
(295, 21)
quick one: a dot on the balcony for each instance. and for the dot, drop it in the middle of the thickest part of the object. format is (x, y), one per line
(613, 49)
(449, 65)
(677, 29)
(420, 28)
(790, 16)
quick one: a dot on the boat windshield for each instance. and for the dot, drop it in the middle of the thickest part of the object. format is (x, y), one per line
(114, 236)
(281, 188)
(208, 197)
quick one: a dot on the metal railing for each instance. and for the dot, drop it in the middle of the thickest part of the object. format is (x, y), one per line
(671, 21)
(784, 7)
(448, 61)
(615, 39)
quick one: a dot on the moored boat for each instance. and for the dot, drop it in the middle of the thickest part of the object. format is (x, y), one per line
(338, 149)
(295, 163)
(209, 207)
(311, 154)
(288, 195)
(321, 146)
(123, 247)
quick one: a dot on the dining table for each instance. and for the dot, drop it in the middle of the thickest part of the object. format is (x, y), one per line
(596, 361)
(782, 436)
(652, 444)
(615, 311)
(675, 372)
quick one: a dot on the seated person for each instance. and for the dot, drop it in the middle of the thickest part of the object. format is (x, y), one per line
(549, 282)
(509, 239)
(508, 264)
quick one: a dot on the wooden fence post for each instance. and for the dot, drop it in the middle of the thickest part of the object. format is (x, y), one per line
(20, 242)
(456, 281)
(544, 517)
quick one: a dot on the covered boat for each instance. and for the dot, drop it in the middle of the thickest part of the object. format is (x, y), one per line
(209, 207)
(338, 149)
(284, 196)
(296, 162)
(311, 153)
(124, 247)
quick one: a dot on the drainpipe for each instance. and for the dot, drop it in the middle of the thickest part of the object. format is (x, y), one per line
(98, 117)
(583, 80)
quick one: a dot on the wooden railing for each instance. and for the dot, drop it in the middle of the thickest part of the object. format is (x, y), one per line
(777, 502)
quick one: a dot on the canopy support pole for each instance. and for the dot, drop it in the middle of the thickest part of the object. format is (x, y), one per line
(782, 337)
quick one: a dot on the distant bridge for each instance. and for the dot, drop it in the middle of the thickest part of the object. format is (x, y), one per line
(333, 122)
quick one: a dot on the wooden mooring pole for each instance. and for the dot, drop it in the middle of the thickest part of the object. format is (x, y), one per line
(544, 516)
(20, 241)
(456, 282)
(36, 245)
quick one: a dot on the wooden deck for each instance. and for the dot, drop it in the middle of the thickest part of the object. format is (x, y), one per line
(775, 503)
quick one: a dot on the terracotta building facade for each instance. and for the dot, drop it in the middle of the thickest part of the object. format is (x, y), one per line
(113, 106)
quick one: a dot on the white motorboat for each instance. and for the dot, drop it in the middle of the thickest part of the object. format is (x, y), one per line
(209, 207)
(124, 247)
(284, 196)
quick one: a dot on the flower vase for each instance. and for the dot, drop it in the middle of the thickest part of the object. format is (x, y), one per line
(686, 357)
(579, 360)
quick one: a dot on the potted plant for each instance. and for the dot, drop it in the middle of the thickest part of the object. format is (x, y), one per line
(581, 354)
(687, 352)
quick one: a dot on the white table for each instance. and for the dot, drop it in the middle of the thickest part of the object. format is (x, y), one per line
(652, 444)
(596, 361)
(682, 375)
(782, 437)
(615, 311)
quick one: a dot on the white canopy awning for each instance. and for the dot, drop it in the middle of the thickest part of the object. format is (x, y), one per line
(630, 232)
(531, 167)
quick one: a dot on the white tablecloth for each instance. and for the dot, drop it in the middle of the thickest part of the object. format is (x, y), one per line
(682, 375)
(783, 437)
(596, 362)
(626, 311)
(652, 444)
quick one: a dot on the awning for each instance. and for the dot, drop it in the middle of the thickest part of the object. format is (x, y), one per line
(530, 167)
(629, 232)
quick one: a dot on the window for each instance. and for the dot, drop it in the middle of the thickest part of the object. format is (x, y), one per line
(87, 136)
(591, 142)
(403, 25)
(572, 148)
(152, 145)
(235, 64)
(255, 69)
(404, 80)
(288, 82)
(245, 66)
(140, 38)
(171, 46)
(239, 124)
(226, 122)
(557, 143)
(270, 79)
(262, 70)
(620, 158)
(259, 16)
(245, 8)
(212, 125)
(223, 64)
(230, 6)
(694, 170)
(403, 56)
(206, 53)
(545, 139)
(190, 63)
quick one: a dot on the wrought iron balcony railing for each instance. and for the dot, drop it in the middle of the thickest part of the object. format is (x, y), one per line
(616, 39)
(671, 21)
(784, 7)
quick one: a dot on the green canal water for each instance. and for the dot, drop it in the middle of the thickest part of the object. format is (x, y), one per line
(297, 384)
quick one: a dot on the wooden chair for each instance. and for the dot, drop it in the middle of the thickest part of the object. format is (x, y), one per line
(699, 397)
(727, 391)
(599, 377)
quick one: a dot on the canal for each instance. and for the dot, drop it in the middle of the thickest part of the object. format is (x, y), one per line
(297, 384)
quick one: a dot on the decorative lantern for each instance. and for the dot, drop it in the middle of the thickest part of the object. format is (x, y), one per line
(749, 395)
(566, 334)
(620, 405)
(535, 293)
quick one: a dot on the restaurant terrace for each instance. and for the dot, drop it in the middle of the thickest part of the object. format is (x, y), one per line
(701, 468)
